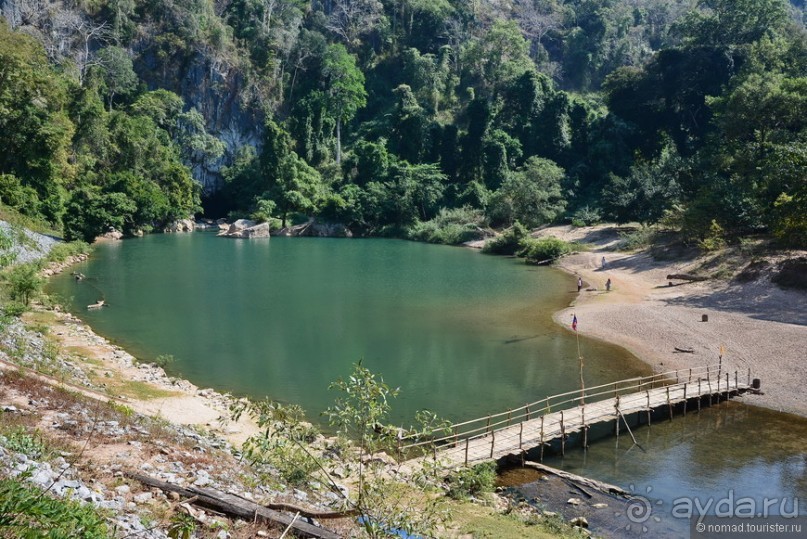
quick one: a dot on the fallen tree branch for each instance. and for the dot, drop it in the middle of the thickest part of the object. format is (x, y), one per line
(329, 515)
(235, 506)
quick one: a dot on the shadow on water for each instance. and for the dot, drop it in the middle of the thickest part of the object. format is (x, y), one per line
(729, 451)
(522, 339)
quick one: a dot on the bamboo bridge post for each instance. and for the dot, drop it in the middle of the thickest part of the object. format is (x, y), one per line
(562, 435)
(700, 395)
(542, 438)
(728, 387)
(690, 375)
(520, 435)
(467, 443)
(509, 414)
(649, 409)
(685, 398)
(616, 427)
(737, 381)
(709, 385)
(527, 414)
(749, 376)
(669, 404)
(615, 390)
(585, 428)
(487, 427)
(492, 442)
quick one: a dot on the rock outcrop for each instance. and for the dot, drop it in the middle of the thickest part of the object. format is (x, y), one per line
(180, 225)
(244, 228)
(112, 235)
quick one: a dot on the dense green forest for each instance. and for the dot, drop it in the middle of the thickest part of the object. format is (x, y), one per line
(392, 115)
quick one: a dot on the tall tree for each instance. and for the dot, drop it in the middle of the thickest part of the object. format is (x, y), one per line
(289, 182)
(344, 87)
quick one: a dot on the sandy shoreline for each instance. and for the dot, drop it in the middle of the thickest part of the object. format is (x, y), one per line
(760, 326)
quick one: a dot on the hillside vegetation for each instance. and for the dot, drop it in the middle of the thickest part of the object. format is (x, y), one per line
(381, 114)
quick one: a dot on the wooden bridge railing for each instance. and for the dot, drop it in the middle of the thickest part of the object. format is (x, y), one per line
(485, 425)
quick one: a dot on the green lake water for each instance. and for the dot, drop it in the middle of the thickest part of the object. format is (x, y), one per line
(461, 333)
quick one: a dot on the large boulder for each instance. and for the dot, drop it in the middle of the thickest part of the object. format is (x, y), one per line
(180, 225)
(244, 228)
(111, 235)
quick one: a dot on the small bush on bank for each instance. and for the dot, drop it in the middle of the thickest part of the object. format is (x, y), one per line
(472, 482)
(544, 250)
(450, 227)
(638, 239)
(508, 243)
(26, 512)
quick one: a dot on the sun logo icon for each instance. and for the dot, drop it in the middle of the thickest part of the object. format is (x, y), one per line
(640, 509)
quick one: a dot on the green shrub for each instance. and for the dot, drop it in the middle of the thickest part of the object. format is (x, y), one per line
(508, 243)
(14, 309)
(714, 239)
(586, 216)
(24, 283)
(467, 482)
(450, 227)
(7, 256)
(19, 440)
(630, 241)
(25, 512)
(19, 197)
(544, 249)
(163, 360)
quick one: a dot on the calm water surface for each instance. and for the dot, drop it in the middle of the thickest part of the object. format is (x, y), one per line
(461, 333)
(730, 451)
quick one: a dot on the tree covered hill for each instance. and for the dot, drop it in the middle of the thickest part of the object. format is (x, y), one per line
(384, 113)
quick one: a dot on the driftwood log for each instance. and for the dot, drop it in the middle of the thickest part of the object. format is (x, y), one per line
(236, 506)
(599, 486)
(684, 350)
(686, 277)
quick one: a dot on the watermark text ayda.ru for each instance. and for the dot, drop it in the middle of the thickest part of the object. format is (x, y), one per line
(732, 506)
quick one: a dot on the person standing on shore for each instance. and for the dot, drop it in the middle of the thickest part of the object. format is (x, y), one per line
(608, 285)
(579, 284)
(603, 262)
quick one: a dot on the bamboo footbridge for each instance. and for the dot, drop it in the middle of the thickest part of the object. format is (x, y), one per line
(555, 418)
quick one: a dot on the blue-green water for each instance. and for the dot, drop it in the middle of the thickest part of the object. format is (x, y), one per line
(459, 332)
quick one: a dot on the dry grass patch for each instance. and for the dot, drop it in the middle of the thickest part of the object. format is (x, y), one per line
(40, 317)
(135, 389)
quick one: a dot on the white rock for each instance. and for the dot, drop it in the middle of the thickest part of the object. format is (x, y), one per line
(143, 497)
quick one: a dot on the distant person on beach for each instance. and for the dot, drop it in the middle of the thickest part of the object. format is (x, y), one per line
(608, 285)
(603, 262)
(579, 283)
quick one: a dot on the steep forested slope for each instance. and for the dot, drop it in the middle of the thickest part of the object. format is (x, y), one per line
(379, 114)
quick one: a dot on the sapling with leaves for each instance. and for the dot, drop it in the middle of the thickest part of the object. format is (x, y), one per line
(384, 502)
